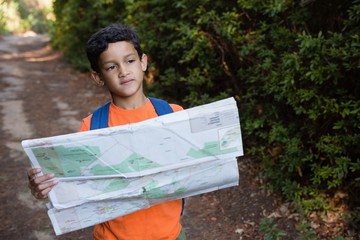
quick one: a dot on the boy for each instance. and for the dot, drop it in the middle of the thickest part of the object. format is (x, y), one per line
(118, 63)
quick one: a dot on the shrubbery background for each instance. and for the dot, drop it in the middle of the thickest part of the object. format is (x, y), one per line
(293, 66)
(19, 16)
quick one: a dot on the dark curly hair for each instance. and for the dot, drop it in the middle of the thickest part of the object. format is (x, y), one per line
(100, 40)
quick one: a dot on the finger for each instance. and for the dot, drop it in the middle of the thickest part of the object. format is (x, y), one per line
(39, 184)
(41, 191)
(43, 178)
(40, 195)
(35, 182)
(44, 185)
(32, 172)
(45, 192)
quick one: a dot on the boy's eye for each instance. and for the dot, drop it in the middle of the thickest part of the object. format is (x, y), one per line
(131, 61)
(110, 68)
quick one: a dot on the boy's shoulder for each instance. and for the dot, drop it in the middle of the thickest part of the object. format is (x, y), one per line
(176, 107)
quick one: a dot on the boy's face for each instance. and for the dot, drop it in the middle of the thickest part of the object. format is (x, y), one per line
(121, 70)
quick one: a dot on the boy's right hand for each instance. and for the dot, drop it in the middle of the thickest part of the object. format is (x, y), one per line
(40, 186)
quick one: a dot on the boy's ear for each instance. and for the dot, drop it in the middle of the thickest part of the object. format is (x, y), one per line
(144, 62)
(97, 79)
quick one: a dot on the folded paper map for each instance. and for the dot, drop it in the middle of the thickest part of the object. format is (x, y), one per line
(111, 172)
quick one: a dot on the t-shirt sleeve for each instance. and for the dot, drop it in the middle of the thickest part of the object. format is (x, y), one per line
(85, 124)
(176, 107)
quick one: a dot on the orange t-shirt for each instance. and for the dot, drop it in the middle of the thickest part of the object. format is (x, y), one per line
(161, 221)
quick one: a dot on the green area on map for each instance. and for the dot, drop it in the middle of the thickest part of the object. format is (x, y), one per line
(153, 190)
(71, 161)
(65, 161)
(210, 149)
(116, 184)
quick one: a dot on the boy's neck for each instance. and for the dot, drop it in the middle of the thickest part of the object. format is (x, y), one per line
(130, 103)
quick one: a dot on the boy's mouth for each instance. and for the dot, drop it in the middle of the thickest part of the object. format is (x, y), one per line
(126, 81)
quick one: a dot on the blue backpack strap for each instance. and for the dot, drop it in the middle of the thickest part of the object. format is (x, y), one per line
(161, 106)
(100, 117)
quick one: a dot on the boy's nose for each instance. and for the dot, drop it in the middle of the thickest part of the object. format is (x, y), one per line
(123, 71)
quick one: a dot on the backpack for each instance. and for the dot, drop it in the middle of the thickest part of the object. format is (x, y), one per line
(100, 118)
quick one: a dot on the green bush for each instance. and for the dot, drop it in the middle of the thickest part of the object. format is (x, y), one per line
(19, 16)
(293, 67)
(77, 20)
(306, 93)
(294, 74)
(190, 44)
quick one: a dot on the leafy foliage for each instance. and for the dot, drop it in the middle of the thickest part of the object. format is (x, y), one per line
(77, 20)
(270, 230)
(19, 16)
(293, 66)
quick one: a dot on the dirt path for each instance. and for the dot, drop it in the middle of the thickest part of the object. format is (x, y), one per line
(41, 96)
